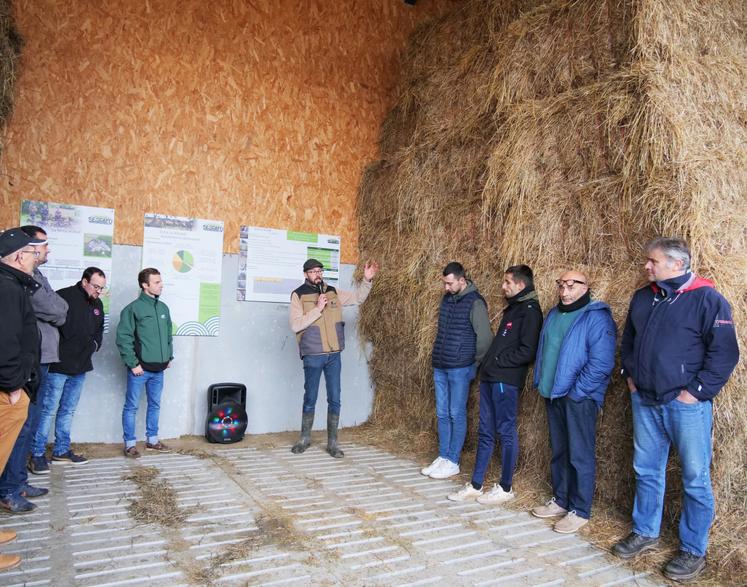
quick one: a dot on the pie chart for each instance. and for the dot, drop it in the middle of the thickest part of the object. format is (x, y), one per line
(183, 261)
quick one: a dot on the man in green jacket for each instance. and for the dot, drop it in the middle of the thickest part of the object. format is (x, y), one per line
(145, 344)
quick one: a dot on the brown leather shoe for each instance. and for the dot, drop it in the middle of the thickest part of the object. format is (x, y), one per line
(158, 447)
(9, 561)
(132, 452)
(7, 536)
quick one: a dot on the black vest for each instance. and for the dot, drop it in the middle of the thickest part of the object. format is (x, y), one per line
(455, 344)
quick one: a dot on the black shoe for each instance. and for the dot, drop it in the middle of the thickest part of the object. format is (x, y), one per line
(69, 457)
(17, 504)
(634, 544)
(685, 566)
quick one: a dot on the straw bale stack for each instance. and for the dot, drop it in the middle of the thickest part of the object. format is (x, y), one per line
(10, 50)
(562, 134)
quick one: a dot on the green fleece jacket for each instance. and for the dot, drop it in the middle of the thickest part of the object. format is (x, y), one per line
(144, 334)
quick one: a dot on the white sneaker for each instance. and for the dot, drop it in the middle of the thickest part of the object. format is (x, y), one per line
(445, 470)
(430, 468)
(496, 496)
(466, 493)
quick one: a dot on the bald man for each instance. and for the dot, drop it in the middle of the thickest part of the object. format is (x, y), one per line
(575, 357)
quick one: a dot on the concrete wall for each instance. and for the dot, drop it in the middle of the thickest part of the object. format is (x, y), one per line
(256, 347)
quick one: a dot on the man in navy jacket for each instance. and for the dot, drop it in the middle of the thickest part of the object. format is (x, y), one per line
(575, 358)
(679, 348)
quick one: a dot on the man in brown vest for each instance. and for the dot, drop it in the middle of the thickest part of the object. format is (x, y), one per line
(316, 318)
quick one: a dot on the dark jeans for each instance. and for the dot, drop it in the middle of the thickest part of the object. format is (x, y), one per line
(573, 433)
(499, 403)
(15, 475)
(313, 367)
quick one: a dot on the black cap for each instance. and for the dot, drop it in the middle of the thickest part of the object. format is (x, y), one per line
(14, 239)
(312, 264)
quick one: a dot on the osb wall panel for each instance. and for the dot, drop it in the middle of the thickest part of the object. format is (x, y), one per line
(261, 113)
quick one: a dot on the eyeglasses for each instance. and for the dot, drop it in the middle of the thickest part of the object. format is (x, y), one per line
(568, 283)
(98, 288)
(32, 251)
(315, 272)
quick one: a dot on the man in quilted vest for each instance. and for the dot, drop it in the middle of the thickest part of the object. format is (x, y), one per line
(462, 340)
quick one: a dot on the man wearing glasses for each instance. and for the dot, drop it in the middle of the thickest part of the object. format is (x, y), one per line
(50, 310)
(316, 318)
(80, 337)
(679, 348)
(19, 348)
(575, 358)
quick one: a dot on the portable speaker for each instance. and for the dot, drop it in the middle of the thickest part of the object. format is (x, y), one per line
(226, 418)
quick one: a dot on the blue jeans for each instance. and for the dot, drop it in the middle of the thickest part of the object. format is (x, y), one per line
(61, 394)
(313, 366)
(499, 403)
(688, 427)
(152, 381)
(452, 389)
(16, 475)
(573, 433)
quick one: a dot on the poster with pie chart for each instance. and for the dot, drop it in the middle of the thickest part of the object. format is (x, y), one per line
(189, 253)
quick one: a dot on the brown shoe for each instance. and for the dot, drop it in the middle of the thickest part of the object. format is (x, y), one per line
(7, 536)
(9, 561)
(132, 452)
(158, 447)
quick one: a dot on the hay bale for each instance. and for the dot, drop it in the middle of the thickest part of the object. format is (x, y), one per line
(11, 43)
(562, 134)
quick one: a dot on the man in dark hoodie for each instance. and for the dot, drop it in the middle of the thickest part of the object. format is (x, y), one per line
(679, 348)
(80, 337)
(19, 348)
(462, 339)
(575, 358)
(502, 376)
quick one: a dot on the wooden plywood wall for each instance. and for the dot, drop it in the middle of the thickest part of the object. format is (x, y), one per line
(261, 113)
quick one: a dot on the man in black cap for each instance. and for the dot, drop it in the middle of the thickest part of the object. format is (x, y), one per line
(316, 318)
(19, 348)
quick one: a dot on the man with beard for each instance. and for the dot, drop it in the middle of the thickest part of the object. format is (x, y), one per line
(502, 375)
(316, 318)
(575, 358)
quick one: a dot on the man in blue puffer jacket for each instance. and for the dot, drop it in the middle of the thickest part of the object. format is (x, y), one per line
(678, 350)
(575, 358)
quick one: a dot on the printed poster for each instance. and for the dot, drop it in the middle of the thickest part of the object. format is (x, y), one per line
(271, 262)
(79, 237)
(189, 253)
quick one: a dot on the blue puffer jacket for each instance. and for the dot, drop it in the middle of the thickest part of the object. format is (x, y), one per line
(587, 356)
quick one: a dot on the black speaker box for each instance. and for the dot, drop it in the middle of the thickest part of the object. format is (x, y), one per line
(226, 418)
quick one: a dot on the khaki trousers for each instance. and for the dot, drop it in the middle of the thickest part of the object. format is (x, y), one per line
(12, 418)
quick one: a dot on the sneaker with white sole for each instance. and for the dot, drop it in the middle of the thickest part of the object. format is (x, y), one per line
(495, 496)
(549, 510)
(430, 468)
(445, 470)
(466, 493)
(570, 523)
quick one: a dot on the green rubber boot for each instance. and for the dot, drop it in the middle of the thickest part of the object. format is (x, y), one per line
(332, 421)
(307, 421)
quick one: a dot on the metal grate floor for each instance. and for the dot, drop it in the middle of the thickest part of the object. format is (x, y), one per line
(269, 517)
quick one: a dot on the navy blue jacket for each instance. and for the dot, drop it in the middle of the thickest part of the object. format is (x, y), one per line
(456, 341)
(587, 355)
(685, 340)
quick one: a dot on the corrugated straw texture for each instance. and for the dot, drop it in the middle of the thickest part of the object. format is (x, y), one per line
(563, 135)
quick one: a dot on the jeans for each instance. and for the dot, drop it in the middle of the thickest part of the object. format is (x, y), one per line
(153, 383)
(573, 433)
(452, 389)
(16, 475)
(313, 366)
(61, 394)
(688, 427)
(499, 403)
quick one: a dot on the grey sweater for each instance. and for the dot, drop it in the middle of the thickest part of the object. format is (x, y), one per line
(51, 311)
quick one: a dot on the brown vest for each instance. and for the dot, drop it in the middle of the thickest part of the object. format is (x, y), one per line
(327, 333)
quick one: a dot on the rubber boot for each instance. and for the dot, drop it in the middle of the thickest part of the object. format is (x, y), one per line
(332, 421)
(307, 421)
